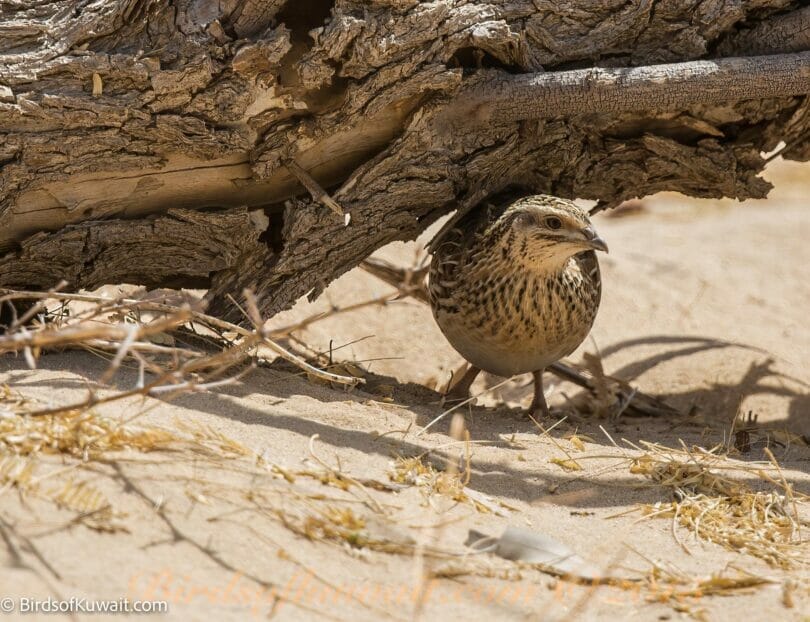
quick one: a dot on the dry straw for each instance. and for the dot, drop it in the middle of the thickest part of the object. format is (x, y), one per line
(177, 349)
(717, 508)
(140, 333)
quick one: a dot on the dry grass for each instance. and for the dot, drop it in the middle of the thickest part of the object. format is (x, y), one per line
(80, 433)
(717, 508)
(177, 349)
(448, 483)
(49, 451)
(51, 456)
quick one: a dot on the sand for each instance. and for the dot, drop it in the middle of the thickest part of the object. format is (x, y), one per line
(705, 305)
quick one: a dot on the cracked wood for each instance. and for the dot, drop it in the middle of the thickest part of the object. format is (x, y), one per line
(119, 116)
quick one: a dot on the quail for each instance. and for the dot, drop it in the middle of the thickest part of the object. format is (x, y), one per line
(515, 287)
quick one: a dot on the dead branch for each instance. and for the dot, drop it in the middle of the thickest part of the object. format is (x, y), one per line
(661, 88)
(313, 187)
(153, 146)
(81, 331)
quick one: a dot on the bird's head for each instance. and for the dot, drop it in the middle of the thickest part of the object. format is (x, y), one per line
(542, 230)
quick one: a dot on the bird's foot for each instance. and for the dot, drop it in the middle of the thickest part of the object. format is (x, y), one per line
(538, 409)
(453, 398)
(537, 412)
(460, 391)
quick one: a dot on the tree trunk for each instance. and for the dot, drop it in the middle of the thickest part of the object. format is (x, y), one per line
(226, 144)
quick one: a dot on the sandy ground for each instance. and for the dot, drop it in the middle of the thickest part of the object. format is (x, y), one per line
(705, 305)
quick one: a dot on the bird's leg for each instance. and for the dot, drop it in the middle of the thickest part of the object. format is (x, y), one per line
(461, 388)
(539, 401)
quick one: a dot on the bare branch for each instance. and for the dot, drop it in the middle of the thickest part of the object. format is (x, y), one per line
(72, 335)
(656, 87)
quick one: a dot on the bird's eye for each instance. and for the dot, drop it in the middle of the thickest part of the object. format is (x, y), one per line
(552, 222)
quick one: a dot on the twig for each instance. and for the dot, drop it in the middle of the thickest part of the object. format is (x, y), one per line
(78, 334)
(460, 404)
(210, 320)
(408, 281)
(36, 308)
(317, 317)
(314, 188)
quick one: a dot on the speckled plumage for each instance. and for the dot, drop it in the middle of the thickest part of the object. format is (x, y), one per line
(511, 294)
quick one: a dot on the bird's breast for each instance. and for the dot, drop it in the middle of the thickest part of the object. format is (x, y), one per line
(513, 322)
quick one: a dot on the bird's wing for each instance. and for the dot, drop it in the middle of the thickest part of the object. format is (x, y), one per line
(453, 249)
(449, 254)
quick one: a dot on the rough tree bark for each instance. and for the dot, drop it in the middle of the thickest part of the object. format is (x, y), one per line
(210, 144)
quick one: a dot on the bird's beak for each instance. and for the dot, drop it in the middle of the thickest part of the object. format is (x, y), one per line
(593, 240)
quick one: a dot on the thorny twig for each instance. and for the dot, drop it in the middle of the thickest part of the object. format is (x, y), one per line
(80, 332)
